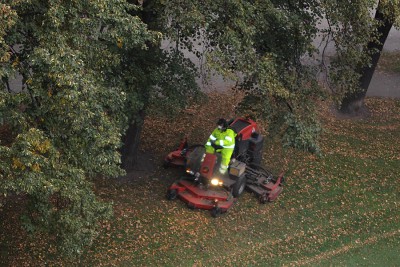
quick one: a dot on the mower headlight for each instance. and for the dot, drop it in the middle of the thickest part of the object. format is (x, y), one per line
(189, 171)
(216, 181)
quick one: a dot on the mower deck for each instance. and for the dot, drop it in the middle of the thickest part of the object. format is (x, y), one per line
(175, 158)
(197, 196)
(267, 189)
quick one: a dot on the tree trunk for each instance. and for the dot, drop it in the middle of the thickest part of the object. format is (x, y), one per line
(354, 103)
(131, 142)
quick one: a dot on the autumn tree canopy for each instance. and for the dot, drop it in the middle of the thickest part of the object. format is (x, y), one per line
(67, 122)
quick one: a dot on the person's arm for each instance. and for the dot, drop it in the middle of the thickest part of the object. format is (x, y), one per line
(211, 140)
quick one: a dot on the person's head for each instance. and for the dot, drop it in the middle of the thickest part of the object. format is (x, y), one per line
(222, 124)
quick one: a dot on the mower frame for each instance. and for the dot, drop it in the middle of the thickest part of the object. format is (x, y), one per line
(244, 172)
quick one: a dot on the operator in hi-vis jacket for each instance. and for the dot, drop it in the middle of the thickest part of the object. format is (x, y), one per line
(222, 140)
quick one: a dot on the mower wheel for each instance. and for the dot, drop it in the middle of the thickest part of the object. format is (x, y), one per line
(216, 211)
(191, 206)
(239, 186)
(263, 198)
(172, 194)
(166, 164)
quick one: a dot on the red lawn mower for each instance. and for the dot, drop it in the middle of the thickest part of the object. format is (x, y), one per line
(205, 188)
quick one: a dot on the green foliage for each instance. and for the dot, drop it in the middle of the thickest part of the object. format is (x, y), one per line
(260, 44)
(264, 45)
(88, 69)
(61, 200)
(176, 81)
(391, 9)
(8, 17)
(301, 134)
(69, 119)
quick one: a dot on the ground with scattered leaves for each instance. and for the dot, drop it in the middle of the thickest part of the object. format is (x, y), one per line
(340, 208)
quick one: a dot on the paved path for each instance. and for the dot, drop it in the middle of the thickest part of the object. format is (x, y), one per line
(384, 84)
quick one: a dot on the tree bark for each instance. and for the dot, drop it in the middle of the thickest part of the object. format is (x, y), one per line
(131, 142)
(131, 139)
(354, 103)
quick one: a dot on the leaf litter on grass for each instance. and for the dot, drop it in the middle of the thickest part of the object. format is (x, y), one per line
(331, 203)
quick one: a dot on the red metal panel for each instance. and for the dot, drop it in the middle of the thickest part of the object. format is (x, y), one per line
(204, 203)
(203, 198)
(196, 190)
(207, 166)
(274, 194)
(247, 130)
(175, 158)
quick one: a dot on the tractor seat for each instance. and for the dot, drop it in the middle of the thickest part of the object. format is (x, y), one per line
(236, 150)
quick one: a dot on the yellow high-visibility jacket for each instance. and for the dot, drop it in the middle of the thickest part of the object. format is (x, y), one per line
(226, 139)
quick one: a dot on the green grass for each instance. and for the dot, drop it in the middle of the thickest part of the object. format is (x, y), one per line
(383, 252)
(338, 209)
